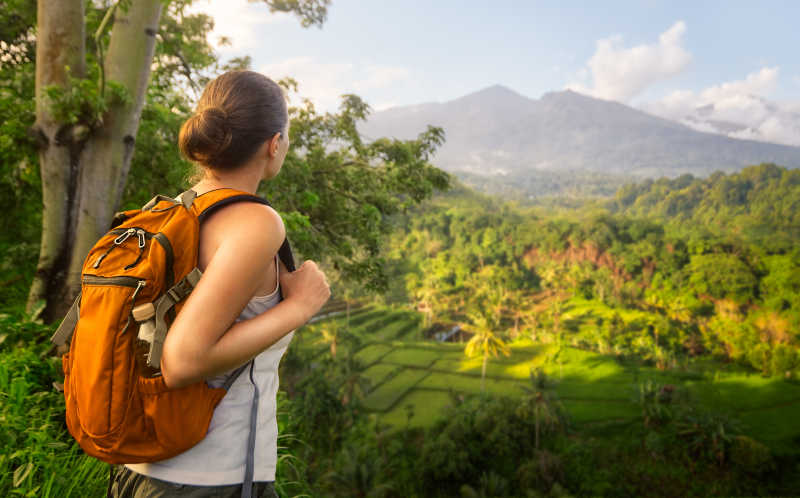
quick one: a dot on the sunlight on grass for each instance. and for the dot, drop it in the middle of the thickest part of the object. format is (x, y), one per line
(577, 365)
(428, 406)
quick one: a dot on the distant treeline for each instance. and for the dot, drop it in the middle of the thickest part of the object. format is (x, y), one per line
(541, 183)
(760, 202)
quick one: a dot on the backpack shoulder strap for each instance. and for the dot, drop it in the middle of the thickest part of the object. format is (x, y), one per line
(64, 332)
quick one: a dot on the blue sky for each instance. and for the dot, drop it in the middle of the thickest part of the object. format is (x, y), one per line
(661, 56)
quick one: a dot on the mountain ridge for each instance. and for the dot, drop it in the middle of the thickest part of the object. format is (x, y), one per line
(497, 130)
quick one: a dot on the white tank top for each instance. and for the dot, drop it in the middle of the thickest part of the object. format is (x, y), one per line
(219, 458)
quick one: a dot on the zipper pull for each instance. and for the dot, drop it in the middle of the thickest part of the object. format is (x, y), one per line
(122, 238)
(141, 251)
(138, 288)
(133, 305)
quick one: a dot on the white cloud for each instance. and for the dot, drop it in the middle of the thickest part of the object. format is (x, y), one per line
(620, 73)
(325, 82)
(738, 109)
(238, 20)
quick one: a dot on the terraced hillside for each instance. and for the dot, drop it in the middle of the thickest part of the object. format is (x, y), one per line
(408, 374)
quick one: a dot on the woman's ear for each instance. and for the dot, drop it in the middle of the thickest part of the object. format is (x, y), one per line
(274, 143)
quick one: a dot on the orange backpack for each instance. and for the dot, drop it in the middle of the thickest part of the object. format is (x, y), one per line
(118, 407)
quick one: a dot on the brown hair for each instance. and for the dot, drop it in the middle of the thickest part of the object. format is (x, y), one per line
(237, 113)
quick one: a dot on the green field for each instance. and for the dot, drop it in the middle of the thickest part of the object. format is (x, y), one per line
(420, 377)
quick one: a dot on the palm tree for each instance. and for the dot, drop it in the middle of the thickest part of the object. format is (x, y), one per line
(518, 306)
(354, 385)
(347, 295)
(532, 321)
(426, 293)
(485, 340)
(329, 334)
(556, 309)
(546, 410)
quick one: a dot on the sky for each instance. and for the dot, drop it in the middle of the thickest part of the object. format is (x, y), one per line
(665, 57)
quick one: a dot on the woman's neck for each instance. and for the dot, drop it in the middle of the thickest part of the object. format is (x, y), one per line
(244, 179)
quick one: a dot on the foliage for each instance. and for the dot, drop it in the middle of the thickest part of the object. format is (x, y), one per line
(477, 436)
(20, 186)
(310, 12)
(82, 102)
(39, 457)
(759, 202)
(630, 286)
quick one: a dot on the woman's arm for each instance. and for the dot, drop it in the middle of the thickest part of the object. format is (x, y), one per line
(204, 340)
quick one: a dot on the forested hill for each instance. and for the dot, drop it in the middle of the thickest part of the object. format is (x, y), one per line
(761, 202)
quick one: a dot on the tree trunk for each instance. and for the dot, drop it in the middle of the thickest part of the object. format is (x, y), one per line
(78, 206)
(59, 46)
(483, 372)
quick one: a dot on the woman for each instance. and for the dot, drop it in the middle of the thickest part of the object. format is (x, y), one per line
(239, 136)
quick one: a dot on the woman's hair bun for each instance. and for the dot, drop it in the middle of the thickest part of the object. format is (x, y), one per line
(206, 135)
(237, 113)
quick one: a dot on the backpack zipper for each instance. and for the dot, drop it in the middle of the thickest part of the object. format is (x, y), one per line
(124, 234)
(121, 280)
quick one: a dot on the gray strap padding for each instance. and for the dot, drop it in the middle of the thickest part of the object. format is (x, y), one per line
(187, 198)
(173, 296)
(247, 484)
(67, 327)
(193, 277)
(155, 200)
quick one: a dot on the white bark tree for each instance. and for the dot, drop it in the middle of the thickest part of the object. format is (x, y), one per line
(84, 164)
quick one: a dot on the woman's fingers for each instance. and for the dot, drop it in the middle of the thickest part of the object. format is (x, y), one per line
(308, 286)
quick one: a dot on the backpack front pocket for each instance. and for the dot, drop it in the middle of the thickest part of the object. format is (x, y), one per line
(103, 368)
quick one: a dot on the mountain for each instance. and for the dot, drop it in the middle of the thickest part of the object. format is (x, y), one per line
(497, 131)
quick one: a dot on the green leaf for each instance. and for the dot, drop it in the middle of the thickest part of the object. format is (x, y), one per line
(22, 473)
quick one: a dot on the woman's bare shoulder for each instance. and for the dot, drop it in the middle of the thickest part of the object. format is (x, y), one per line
(250, 220)
(247, 231)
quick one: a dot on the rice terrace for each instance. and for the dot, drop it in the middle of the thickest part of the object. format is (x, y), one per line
(411, 380)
